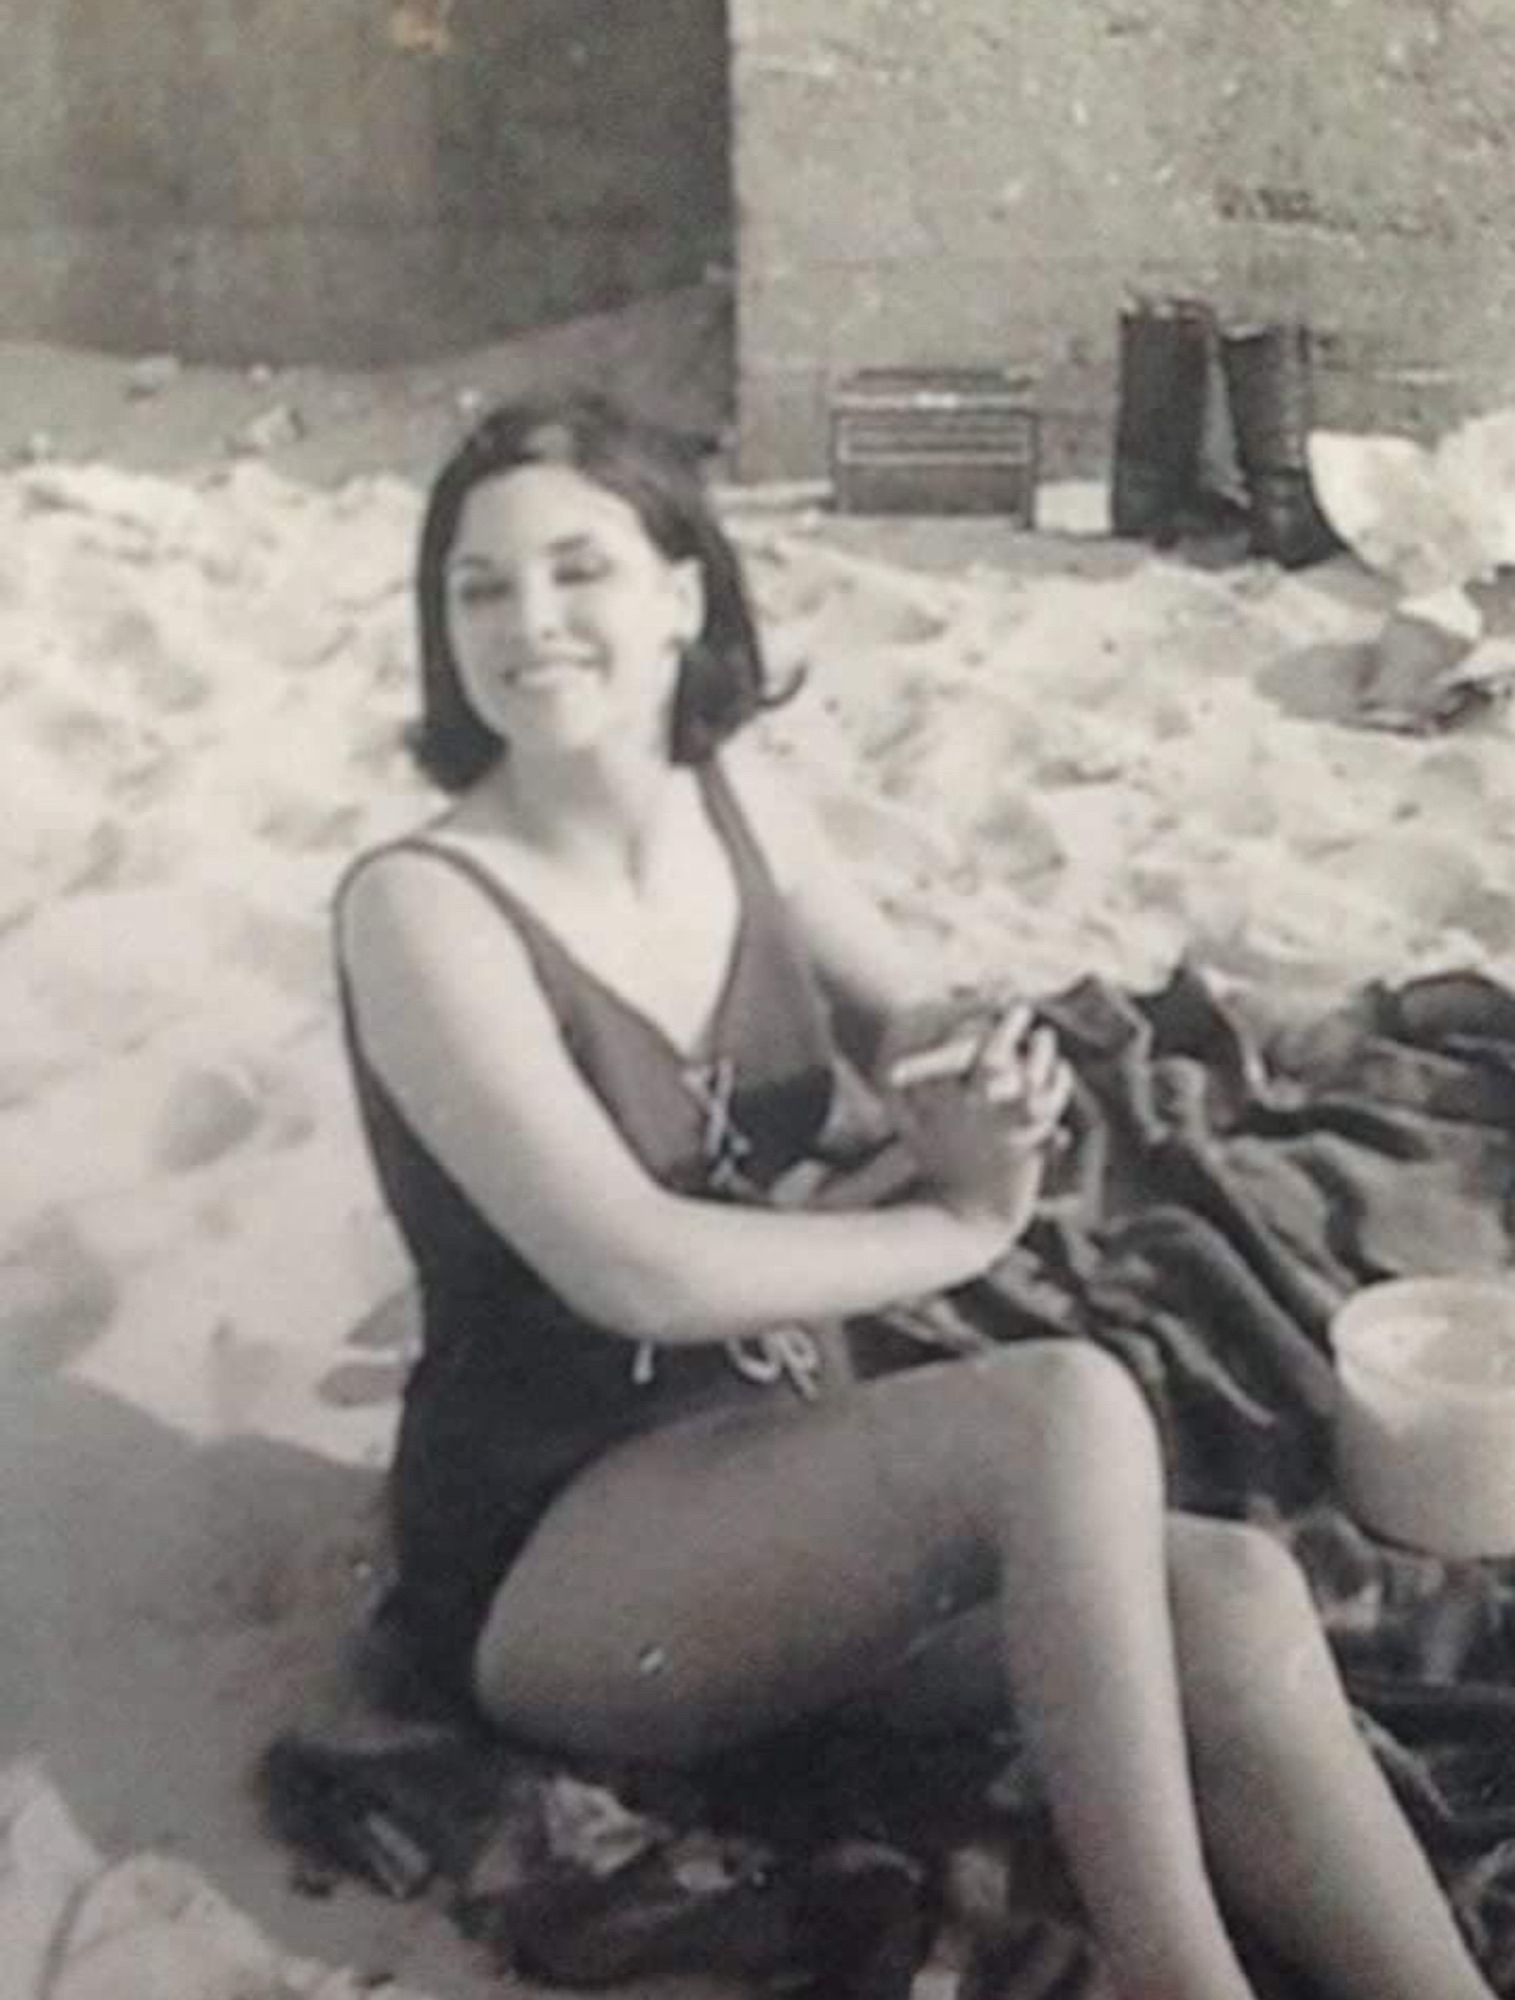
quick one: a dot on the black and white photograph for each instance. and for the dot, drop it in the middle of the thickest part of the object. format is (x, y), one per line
(757, 966)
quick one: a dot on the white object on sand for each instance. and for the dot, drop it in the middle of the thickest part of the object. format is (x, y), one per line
(1425, 1436)
(1430, 518)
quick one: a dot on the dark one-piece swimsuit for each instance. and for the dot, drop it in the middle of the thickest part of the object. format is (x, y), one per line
(515, 1392)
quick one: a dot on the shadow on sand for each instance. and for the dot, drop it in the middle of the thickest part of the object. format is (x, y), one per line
(169, 1606)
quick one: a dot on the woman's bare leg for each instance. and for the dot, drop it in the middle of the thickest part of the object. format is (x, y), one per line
(1091, 1660)
(1339, 1883)
(723, 1577)
(1304, 1836)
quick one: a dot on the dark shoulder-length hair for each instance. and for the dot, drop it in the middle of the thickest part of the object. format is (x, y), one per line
(722, 680)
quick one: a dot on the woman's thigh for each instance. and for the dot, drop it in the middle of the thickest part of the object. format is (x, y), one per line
(726, 1576)
(1240, 1611)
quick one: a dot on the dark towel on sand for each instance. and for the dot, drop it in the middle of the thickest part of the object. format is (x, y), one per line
(1227, 1187)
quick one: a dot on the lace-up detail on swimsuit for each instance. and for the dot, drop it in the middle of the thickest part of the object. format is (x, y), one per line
(786, 1353)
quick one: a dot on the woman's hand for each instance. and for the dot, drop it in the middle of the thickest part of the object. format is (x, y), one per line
(980, 1111)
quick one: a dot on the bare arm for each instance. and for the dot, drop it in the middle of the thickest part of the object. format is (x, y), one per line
(884, 992)
(452, 1018)
(980, 1122)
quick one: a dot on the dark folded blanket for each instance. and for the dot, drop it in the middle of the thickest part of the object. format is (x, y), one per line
(1230, 1183)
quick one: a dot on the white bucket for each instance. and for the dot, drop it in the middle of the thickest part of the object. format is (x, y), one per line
(1425, 1421)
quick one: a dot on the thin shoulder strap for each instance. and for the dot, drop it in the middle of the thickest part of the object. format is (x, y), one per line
(742, 843)
(553, 965)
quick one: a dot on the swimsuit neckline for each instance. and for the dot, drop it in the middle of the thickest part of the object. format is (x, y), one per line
(696, 1057)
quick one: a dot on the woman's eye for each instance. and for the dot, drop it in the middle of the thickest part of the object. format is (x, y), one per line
(581, 569)
(483, 590)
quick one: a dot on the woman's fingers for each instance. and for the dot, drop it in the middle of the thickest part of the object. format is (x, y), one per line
(1041, 1098)
(1026, 1073)
(944, 1062)
(969, 1056)
(1001, 1046)
(1009, 1087)
(1014, 1071)
(1041, 1059)
(1056, 1096)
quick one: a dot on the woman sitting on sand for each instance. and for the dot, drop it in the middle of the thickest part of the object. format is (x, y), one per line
(643, 1506)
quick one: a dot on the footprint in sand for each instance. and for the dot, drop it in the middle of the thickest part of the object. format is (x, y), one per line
(211, 1111)
(124, 640)
(390, 1337)
(1428, 876)
(161, 682)
(1321, 682)
(291, 954)
(310, 826)
(1017, 842)
(1450, 784)
(359, 1385)
(57, 1295)
(208, 1114)
(394, 1323)
(91, 746)
(1488, 915)
(866, 831)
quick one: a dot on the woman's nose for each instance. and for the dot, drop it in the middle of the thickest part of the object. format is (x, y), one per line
(539, 605)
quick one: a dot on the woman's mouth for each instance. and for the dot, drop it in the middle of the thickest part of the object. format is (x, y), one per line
(546, 670)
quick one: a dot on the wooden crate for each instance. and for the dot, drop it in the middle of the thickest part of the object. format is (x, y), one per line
(935, 441)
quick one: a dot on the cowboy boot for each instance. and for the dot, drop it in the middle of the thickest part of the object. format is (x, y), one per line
(1268, 386)
(1164, 363)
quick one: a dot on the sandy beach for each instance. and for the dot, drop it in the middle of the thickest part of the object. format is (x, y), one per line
(1048, 754)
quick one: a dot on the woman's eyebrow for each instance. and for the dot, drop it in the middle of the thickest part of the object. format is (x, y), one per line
(564, 545)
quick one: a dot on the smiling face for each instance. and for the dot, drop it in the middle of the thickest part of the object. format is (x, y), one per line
(566, 619)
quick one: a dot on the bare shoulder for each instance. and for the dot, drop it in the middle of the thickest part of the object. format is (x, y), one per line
(408, 918)
(388, 887)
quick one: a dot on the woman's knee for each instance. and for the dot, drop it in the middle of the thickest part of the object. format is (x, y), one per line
(1071, 1390)
(1250, 1647)
(1233, 1572)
